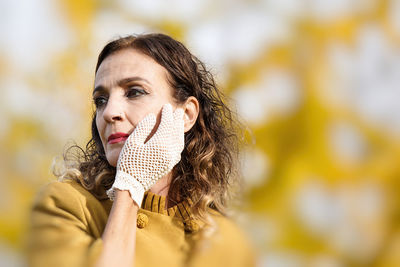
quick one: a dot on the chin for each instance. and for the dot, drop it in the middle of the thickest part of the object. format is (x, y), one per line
(112, 158)
(112, 162)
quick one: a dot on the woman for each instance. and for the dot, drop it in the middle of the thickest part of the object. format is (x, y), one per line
(153, 184)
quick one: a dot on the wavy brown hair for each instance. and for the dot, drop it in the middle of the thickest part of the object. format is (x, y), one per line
(207, 172)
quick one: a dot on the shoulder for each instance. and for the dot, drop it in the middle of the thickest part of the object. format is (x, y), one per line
(56, 187)
(68, 196)
(241, 251)
(62, 190)
(230, 232)
(228, 226)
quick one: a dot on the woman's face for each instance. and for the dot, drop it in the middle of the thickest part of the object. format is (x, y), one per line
(128, 86)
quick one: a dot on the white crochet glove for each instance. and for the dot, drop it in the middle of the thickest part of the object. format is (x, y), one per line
(140, 165)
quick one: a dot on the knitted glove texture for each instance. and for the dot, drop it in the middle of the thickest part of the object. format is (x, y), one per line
(141, 164)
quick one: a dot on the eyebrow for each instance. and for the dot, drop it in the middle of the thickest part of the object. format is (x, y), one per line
(121, 82)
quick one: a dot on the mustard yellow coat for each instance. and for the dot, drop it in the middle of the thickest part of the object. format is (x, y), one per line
(67, 222)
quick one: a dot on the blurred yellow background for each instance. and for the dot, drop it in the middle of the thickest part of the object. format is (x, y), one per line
(316, 81)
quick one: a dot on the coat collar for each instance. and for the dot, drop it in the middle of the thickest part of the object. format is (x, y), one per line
(156, 203)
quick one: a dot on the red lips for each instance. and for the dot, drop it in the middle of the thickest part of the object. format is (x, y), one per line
(117, 137)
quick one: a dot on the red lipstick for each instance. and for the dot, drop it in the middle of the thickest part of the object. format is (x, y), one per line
(117, 137)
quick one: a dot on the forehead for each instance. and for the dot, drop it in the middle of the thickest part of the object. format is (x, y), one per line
(129, 63)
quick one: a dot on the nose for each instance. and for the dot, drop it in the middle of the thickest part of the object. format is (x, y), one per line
(113, 110)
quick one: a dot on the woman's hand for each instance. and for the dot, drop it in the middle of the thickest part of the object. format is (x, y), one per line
(141, 164)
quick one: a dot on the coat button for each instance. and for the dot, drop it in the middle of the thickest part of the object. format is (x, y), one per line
(142, 220)
(191, 227)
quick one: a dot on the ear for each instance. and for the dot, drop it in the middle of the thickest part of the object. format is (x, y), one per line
(191, 111)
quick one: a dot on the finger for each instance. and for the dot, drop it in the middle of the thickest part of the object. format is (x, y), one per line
(178, 114)
(179, 124)
(179, 132)
(143, 129)
(166, 122)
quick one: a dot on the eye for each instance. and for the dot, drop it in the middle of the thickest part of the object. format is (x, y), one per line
(134, 92)
(99, 101)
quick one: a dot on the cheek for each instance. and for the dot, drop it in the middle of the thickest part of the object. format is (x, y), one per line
(100, 126)
(138, 111)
